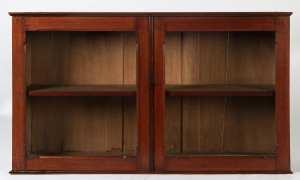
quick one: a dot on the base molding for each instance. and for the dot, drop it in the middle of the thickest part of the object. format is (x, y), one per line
(26, 172)
(16, 172)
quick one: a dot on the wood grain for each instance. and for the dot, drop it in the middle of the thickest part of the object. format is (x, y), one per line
(219, 23)
(70, 133)
(283, 94)
(144, 145)
(103, 164)
(77, 124)
(19, 95)
(155, 14)
(173, 122)
(220, 90)
(81, 90)
(230, 164)
(80, 23)
(221, 64)
(129, 56)
(173, 58)
(251, 58)
(129, 125)
(80, 57)
(173, 134)
(159, 95)
(249, 125)
(82, 64)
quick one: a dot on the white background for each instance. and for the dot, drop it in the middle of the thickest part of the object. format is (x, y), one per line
(143, 6)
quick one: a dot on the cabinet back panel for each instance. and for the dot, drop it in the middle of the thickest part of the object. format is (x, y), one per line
(81, 57)
(82, 125)
(220, 58)
(220, 125)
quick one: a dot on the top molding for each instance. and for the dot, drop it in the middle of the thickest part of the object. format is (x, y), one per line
(156, 14)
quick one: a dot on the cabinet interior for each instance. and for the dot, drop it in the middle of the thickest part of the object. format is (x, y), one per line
(220, 93)
(62, 68)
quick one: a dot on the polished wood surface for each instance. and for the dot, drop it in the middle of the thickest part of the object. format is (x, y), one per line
(80, 23)
(245, 61)
(164, 107)
(220, 64)
(65, 163)
(144, 145)
(81, 58)
(135, 14)
(283, 94)
(220, 90)
(83, 125)
(81, 90)
(19, 95)
(70, 59)
(171, 90)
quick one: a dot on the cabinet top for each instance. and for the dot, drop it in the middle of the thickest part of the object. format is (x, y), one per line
(185, 14)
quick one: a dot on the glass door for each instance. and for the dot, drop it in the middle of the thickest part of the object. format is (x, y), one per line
(220, 89)
(81, 93)
(87, 93)
(214, 95)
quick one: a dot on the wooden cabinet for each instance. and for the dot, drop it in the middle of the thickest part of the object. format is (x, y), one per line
(151, 93)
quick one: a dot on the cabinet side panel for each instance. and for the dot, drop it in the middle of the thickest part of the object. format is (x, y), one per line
(19, 94)
(283, 93)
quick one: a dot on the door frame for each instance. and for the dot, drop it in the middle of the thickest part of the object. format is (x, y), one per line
(142, 162)
(280, 163)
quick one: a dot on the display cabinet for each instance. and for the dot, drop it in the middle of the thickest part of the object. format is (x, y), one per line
(151, 93)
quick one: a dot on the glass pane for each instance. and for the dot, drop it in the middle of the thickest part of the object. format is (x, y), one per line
(81, 90)
(220, 93)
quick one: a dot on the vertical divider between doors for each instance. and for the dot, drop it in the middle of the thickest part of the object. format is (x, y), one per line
(159, 95)
(143, 95)
(151, 65)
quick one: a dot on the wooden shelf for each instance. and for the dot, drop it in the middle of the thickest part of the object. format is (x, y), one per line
(220, 90)
(81, 90)
(171, 90)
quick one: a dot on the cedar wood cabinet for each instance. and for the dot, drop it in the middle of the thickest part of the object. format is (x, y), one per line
(151, 93)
